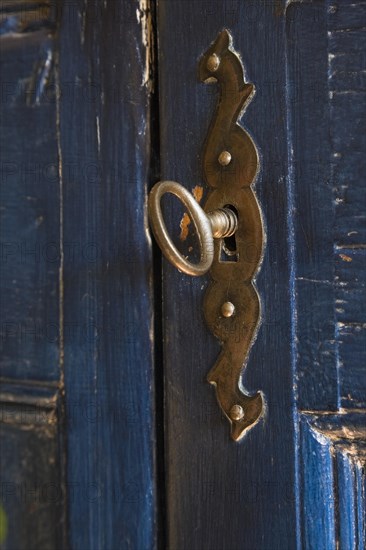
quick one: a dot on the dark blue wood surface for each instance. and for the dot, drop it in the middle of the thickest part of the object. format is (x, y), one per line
(31, 458)
(332, 475)
(32, 496)
(76, 276)
(325, 63)
(278, 488)
(107, 283)
(30, 205)
(313, 206)
(77, 400)
(221, 494)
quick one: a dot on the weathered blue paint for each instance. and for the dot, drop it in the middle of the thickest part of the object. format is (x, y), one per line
(306, 119)
(332, 472)
(31, 490)
(328, 109)
(75, 130)
(221, 494)
(30, 204)
(76, 276)
(318, 499)
(107, 279)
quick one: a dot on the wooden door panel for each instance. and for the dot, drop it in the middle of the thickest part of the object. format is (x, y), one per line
(31, 486)
(313, 206)
(221, 494)
(328, 111)
(332, 477)
(286, 483)
(78, 408)
(30, 198)
(107, 281)
(77, 285)
(324, 44)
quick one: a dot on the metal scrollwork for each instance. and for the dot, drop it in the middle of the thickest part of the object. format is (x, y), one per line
(230, 234)
(232, 305)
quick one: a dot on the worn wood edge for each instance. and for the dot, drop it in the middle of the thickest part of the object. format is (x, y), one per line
(332, 473)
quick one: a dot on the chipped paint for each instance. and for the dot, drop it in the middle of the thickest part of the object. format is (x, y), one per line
(345, 258)
(184, 226)
(197, 192)
(144, 18)
(40, 78)
(98, 133)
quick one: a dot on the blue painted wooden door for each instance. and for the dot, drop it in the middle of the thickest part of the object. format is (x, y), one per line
(77, 424)
(297, 480)
(110, 435)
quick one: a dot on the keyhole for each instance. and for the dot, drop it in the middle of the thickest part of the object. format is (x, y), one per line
(229, 251)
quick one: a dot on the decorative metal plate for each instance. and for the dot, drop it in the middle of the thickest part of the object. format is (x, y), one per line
(232, 305)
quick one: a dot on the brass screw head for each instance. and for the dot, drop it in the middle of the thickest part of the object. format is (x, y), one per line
(228, 309)
(236, 412)
(224, 158)
(213, 63)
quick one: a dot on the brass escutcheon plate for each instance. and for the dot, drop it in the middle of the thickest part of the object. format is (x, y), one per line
(232, 305)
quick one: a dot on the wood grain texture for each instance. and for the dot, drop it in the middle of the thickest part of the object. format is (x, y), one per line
(347, 66)
(329, 152)
(313, 214)
(107, 281)
(24, 16)
(223, 495)
(351, 356)
(347, 69)
(32, 489)
(76, 113)
(332, 471)
(31, 469)
(307, 122)
(30, 204)
(318, 527)
(325, 66)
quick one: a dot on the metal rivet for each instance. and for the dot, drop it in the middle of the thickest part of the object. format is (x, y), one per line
(213, 63)
(224, 158)
(228, 309)
(236, 412)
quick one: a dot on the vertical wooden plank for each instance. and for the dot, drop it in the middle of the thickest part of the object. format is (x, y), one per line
(30, 199)
(332, 473)
(350, 266)
(221, 494)
(107, 285)
(325, 63)
(313, 215)
(347, 64)
(31, 462)
(361, 501)
(347, 504)
(318, 499)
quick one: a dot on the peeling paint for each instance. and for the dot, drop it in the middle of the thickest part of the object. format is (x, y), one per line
(197, 192)
(184, 223)
(345, 258)
(98, 133)
(40, 78)
(144, 18)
